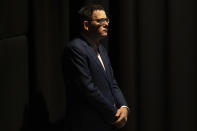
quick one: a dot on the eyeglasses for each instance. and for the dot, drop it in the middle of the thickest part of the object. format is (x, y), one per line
(102, 20)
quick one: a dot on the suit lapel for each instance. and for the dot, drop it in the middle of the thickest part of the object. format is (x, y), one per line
(105, 62)
(93, 54)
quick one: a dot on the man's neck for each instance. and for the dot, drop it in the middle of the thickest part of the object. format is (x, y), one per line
(92, 40)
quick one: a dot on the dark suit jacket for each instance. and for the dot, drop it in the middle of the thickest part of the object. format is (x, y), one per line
(93, 95)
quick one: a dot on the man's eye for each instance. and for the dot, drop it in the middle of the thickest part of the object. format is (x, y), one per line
(101, 20)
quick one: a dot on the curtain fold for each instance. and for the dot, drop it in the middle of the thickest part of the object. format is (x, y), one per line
(152, 47)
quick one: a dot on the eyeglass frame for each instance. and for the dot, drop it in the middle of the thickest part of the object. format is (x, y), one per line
(101, 21)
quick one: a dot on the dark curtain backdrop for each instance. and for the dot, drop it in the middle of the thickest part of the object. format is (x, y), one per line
(151, 45)
(152, 48)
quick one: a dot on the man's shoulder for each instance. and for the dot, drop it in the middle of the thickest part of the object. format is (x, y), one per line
(77, 43)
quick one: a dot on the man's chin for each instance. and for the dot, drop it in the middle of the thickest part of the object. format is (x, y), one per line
(104, 35)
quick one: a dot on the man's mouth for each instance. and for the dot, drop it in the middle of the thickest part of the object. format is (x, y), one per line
(105, 30)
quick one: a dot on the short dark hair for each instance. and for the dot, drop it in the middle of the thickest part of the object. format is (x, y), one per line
(85, 13)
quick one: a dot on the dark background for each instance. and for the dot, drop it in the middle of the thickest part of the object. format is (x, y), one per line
(152, 46)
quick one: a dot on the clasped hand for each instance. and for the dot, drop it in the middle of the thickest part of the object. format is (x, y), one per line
(121, 115)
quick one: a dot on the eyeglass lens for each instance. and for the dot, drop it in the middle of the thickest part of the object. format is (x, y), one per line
(103, 20)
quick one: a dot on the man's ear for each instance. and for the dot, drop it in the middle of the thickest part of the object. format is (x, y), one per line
(86, 25)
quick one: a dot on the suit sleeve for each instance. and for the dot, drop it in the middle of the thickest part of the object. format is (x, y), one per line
(78, 60)
(118, 94)
(116, 90)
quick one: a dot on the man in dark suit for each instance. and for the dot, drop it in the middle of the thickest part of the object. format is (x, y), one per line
(94, 100)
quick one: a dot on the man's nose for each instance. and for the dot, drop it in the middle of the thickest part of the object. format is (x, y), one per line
(105, 24)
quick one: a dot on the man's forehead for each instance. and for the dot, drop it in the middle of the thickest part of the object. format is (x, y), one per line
(99, 14)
